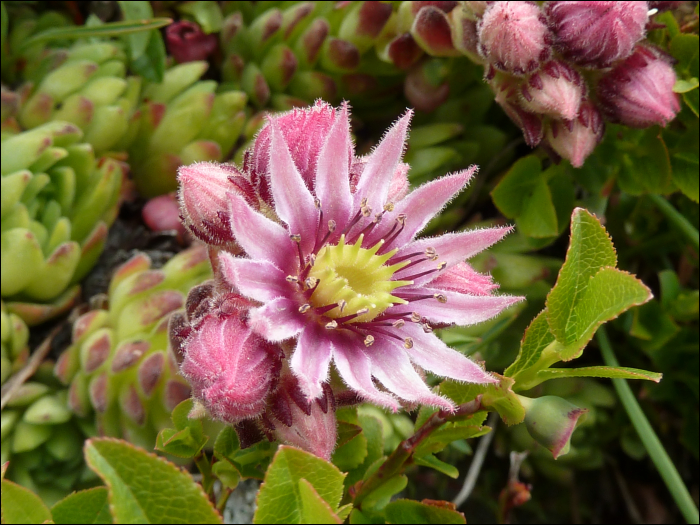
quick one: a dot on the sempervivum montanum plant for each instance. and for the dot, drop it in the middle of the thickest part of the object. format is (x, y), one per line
(331, 271)
(119, 365)
(57, 203)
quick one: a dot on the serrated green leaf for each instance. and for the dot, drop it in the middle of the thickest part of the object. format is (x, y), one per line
(85, 506)
(226, 443)
(145, 488)
(314, 509)
(536, 338)
(590, 249)
(279, 500)
(521, 180)
(599, 371)
(352, 447)
(103, 31)
(538, 217)
(608, 293)
(21, 505)
(409, 511)
(179, 443)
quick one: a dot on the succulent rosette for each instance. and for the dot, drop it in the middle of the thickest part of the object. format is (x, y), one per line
(332, 270)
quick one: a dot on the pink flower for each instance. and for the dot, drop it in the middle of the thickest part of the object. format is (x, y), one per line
(597, 34)
(341, 277)
(639, 92)
(513, 36)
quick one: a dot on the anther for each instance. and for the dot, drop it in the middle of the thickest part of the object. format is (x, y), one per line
(389, 206)
(366, 211)
(401, 219)
(408, 343)
(363, 202)
(331, 226)
(317, 203)
(311, 259)
(295, 237)
(292, 279)
(304, 308)
(427, 328)
(441, 297)
(342, 304)
(415, 317)
(430, 252)
(369, 341)
(442, 265)
(398, 323)
(332, 325)
(310, 282)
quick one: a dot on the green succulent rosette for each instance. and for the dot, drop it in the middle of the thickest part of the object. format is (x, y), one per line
(15, 336)
(119, 366)
(181, 120)
(57, 203)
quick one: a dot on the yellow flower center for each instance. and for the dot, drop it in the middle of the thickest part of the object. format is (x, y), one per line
(356, 278)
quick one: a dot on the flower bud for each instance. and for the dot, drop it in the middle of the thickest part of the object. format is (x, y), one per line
(231, 370)
(639, 92)
(310, 426)
(551, 421)
(431, 30)
(507, 97)
(186, 42)
(556, 91)
(162, 214)
(422, 91)
(513, 36)
(596, 34)
(575, 139)
(202, 195)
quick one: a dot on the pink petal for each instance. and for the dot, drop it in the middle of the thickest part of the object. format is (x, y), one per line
(381, 164)
(258, 280)
(311, 359)
(333, 172)
(260, 237)
(355, 368)
(390, 364)
(459, 309)
(277, 320)
(451, 248)
(422, 204)
(294, 203)
(463, 278)
(430, 353)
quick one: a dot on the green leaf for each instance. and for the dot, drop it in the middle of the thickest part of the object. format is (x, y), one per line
(227, 474)
(683, 86)
(137, 11)
(381, 496)
(609, 293)
(409, 511)
(692, 99)
(314, 509)
(21, 505)
(684, 48)
(431, 461)
(538, 217)
(151, 64)
(599, 371)
(647, 167)
(351, 450)
(145, 488)
(187, 439)
(536, 338)
(102, 31)
(685, 173)
(498, 396)
(226, 443)
(279, 499)
(85, 506)
(590, 249)
(521, 180)
(372, 431)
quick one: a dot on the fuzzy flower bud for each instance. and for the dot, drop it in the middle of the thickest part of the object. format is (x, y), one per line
(556, 91)
(186, 42)
(230, 368)
(309, 425)
(513, 36)
(551, 421)
(596, 34)
(639, 92)
(507, 97)
(576, 139)
(203, 200)
(162, 214)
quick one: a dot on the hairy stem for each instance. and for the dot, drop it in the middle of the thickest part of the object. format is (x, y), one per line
(395, 463)
(649, 438)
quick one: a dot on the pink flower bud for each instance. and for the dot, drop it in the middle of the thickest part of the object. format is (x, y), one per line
(186, 42)
(575, 139)
(231, 370)
(310, 426)
(421, 91)
(597, 34)
(551, 421)
(639, 92)
(507, 97)
(203, 202)
(513, 36)
(556, 91)
(162, 214)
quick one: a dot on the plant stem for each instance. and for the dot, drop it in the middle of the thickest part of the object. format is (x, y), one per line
(651, 442)
(678, 220)
(223, 499)
(399, 457)
(204, 465)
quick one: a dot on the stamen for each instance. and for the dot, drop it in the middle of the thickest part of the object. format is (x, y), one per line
(360, 312)
(399, 323)
(387, 333)
(317, 203)
(366, 211)
(332, 325)
(311, 282)
(323, 309)
(352, 223)
(412, 298)
(412, 263)
(427, 328)
(389, 206)
(440, 266)
(441, 297)
(297, 239)
(369, 341)
(331, 229)
(292, 279)
(415, 317)
(402, 258)
(401, 220)
(342, 304)
(308, 293)
(408, 343)
(431, 254)
(304, 308)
